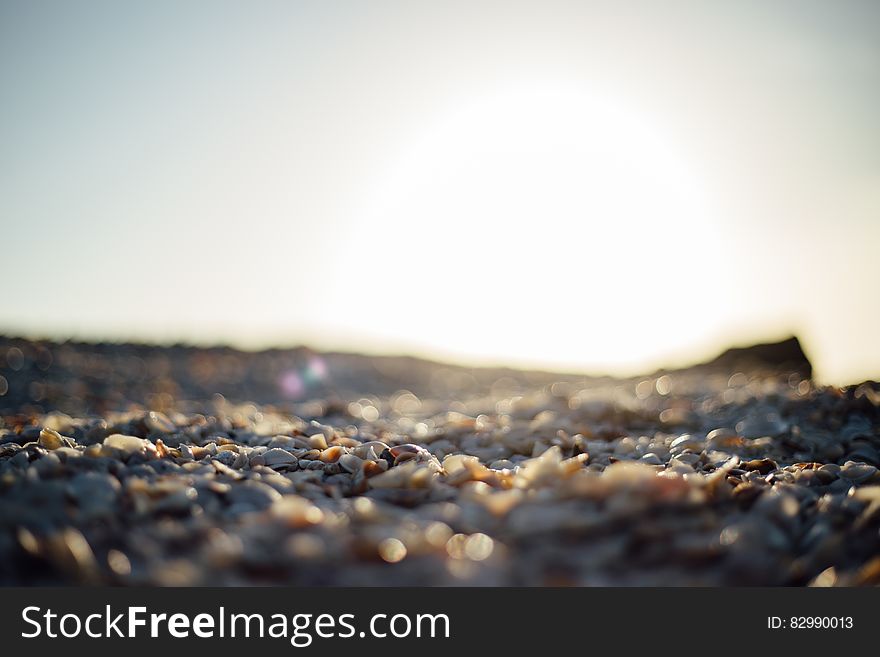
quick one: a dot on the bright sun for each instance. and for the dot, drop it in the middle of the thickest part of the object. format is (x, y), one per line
(543, 226)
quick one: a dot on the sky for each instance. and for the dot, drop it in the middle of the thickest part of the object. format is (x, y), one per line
(602, 187)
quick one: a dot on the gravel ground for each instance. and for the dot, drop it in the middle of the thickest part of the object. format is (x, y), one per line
(132, 465)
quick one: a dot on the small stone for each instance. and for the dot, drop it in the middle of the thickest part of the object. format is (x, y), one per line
(158, 422)
(764, 466)
(50, 439)
(828, 473)
(95, 494)
(225, 457)
(688, 458)
(723, 438)
(857, 472)
(331, 454)
(253, 494)
(297, 511)
(119, 563)
(177, 502)
(126, 444)
(287, 442)
(686, 441)
(350, 462)
(278, 456)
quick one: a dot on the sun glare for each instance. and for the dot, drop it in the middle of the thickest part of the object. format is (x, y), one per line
(540, 225)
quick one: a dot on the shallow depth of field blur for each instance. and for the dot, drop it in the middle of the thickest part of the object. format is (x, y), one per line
(575, 186)
(432, 293)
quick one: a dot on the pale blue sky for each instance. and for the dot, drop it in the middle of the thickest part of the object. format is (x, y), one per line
(363, 176)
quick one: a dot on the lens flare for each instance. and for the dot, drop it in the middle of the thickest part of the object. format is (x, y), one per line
(295, 383)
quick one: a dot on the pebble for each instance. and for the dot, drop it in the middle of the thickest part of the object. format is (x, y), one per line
(126, 444)
(764, 466)
(277, 456)
(858, 473)
(686, 441)
(95, 494)
(252, 494)
(158, 422)
(350, 462)
(50, 439)
(694, 482)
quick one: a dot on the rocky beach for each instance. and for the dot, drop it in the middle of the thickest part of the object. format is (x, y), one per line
(130, 464)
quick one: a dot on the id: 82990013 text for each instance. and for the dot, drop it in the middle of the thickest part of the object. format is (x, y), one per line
(810, 623)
